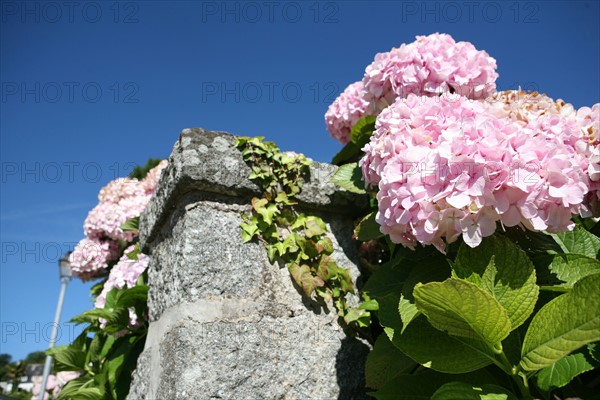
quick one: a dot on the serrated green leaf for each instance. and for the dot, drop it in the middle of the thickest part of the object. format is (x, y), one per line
(430, 269)
(563, 325)
(349, 177)
(439, 351)
(463, 309)
(67, 358)
(579, 241)
(371, 305)
(563, 371)
(503, 270)
(363, 129)
(131, 225)
(466, 391)
(348, 152)
(594, 351)
(570, 268)
(133, 297)
(368, 229)
(71, 388)
(385, 362)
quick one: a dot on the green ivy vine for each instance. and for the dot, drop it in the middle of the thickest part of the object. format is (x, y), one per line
(298, 240)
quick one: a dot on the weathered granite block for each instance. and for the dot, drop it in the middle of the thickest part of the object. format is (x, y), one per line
(225, 323)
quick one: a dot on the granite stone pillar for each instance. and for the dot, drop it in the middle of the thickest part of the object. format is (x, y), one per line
(224, 322)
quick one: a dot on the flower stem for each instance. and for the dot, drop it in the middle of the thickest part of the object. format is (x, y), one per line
(519, 378)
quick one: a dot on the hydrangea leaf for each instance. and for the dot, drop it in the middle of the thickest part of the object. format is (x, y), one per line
(385, 362)
(362, 130)
(466, 391)
(579, 241)
(349, 177)
(368, 229)
(570, 268)
(424, 384)
(463, 309)
(502, 269)
(563, 325)
(439, 351)
(563, 371)
(131, 225)
(347, 153)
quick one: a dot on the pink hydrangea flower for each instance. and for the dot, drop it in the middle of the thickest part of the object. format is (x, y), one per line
(430, 66)
(151, 179)
(91, 257)
(124, 274)
(106, 219)
(450, 167)
(345, 111)
(121, 200)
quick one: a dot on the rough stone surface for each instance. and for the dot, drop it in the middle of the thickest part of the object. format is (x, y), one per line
(225, 323)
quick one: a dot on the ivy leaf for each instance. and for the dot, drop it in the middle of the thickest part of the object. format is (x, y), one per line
(466, 391)
(461, 308)
(361, 317)
(563, 371)
(563, 325)
(439, 351)
(385, 362)
(503, 270)
(131, 225)
(305, 279)
(362, 130)
(314, 227)
(368, 229)
(349, 177)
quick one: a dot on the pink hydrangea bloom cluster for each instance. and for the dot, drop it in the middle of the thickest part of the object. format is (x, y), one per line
(119, 201)
(151, 180)
(450, 167)
(430, 66)
(90, 257)
(345, 111)
(54, 384)
(124, 274)
(433, 65)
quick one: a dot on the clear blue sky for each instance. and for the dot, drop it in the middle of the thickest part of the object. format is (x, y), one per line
(90, 88)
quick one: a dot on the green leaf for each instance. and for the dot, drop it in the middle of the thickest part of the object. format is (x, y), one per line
(439, 351)
(430, 269)
(362, 130)
(579, 241)
(347, 153)
(503, 270)
(305, 279)
(385, 362)
(563, 371)
(67, 358)
(463, 309)
(369, 305)
(368, 229)
(563, 325)
(466, 391)
(314, 227)
(570, 268)
(422, 385)
(133, 297)
(349, 177)
(133, 254)
(131, 225)
(72, 388)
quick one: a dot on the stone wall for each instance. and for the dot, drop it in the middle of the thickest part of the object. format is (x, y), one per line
(224, 322)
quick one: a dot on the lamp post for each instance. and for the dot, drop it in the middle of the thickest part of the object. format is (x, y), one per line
(65, 277)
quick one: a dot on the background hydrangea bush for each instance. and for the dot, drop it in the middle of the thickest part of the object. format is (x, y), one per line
(99, 363)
